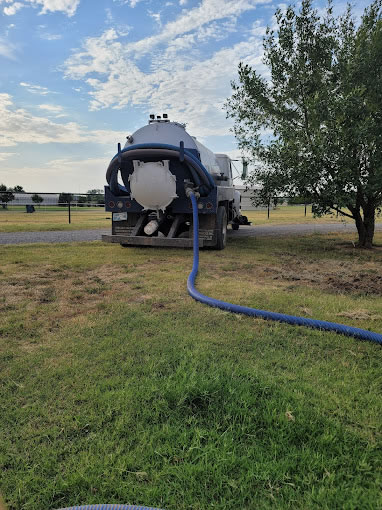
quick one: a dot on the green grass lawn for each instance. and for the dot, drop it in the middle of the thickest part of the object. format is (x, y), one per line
(56, 218)
(117, 387)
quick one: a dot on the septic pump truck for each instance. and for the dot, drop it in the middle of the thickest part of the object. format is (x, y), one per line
(147, 189)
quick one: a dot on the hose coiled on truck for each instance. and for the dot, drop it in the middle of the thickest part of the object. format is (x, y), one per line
(199, 173)
(341, 329)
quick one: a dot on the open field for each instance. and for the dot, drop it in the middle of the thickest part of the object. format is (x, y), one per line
(117, 387)
(293, 214)
(56, 218)
(53, 218)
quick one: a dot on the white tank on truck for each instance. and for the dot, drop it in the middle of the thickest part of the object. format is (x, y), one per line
(147, 189)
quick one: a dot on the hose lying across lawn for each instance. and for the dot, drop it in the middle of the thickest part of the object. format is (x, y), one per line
(361, 334)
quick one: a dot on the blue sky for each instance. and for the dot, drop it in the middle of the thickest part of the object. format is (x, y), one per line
(78, 76)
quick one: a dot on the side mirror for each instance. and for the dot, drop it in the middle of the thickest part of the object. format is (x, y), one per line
(245, 169)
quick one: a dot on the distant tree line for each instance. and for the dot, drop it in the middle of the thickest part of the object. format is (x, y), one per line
(91, 198)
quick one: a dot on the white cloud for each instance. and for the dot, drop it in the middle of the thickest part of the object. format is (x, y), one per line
(156, 17)
(36, 89)
(130, 3)
(193, 94)
(133, 3)
(122, 29)
(10, 11)
(6, 155)
(7, 49)
(182, 2)
(109, 16)
(55, 174)
(50, 37)
(18, 125)
(183, 84)
(188, 21)
(187, 24)
(68, 7)
(52, 109)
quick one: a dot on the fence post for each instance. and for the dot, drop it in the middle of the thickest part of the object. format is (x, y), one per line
(268, 208)
(69, 217)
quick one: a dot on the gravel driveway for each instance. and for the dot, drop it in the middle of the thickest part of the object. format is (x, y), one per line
(297, 229)
(65, 236)
(244, 231)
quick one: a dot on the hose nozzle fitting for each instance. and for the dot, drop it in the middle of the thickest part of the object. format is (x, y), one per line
(189, 188)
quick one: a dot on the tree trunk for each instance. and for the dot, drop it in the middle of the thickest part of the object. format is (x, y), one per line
(365, 226)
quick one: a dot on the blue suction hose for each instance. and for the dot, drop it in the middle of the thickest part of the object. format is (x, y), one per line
(361, 334)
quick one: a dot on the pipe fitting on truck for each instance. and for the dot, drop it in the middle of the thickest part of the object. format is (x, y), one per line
(191, 190)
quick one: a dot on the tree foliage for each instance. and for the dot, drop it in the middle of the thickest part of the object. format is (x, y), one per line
(82, 200)
(65, 198)
(37, 199)
(97, 196)
(6, 195)
(316, 125)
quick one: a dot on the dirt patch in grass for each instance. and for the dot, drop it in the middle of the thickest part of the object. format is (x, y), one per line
(336, 277)
(48, 297)
(68, 293)
(356, 283)
(360, 314)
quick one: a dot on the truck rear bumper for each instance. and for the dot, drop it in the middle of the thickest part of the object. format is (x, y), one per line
(150, 241)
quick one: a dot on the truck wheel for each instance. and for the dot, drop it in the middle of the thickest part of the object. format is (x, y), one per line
(221, 227)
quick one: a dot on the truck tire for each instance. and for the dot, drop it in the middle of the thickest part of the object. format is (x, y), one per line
(221, 228)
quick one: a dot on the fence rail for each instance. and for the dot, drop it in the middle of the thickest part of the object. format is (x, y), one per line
(29, 202)
(69, 205)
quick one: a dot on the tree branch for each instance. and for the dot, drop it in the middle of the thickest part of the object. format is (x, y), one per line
(340, 211)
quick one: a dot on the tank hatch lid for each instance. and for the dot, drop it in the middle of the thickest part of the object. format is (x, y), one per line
(170, 133)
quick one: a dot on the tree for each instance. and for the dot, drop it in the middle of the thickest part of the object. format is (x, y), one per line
(316, 125)
(18, 189)
(265, 196)
(64, 198)
(81, 200)
(296, 200)
(37, 199)
(97, 196)
(6, 195)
